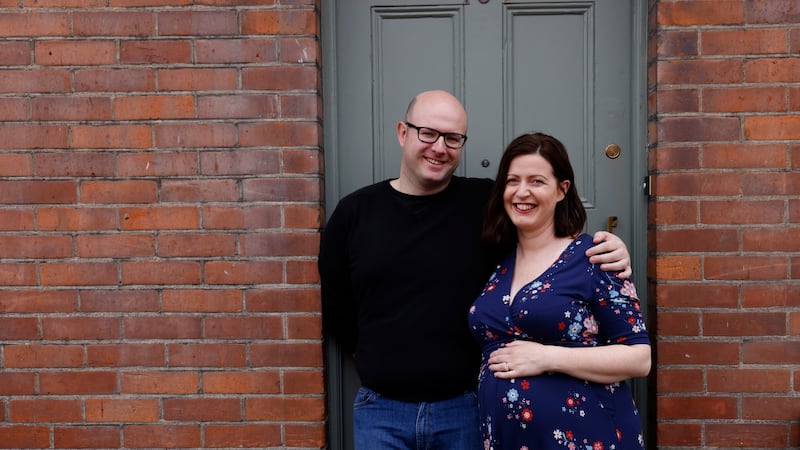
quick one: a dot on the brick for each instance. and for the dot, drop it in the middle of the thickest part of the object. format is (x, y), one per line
(678, 324)
(164, 435)
(279, 134)
(163, 327)
(780, 407)
(78, 273)
(758, 99)
(155, 52)
(74, 53)
(80, 328)
(122, 410)
(770, 70)
(203, 409)
(286, 355)
(694, 184)
(195, 244)
(17, 274)
(700, 71)
(748, 41)
(19, 328)
(139, 300)
(283, 300)
(672, 158)
(304, 327)
(770, 295)
(157, 164)
(301, 106)
(191, 135)
(305, 435)
(680, 380)
(280, 244)
(199, 191)
(286, 190)
(742, 212)
(202, 300)
(208, 355)
(111, 136)
(151, 107)
(687, 13)
(236, 51)
(116, 23)
(38, 301)
(693, 129)
(285, 409)
(13, 165)
(13, 109)
(237, 106)
(677, 42)
(281, 78)
(25, 436)
(770, 352)
(772, 128)
(45, 410)
(707, 295)
(243, 435)
(17, 383)
(770, 240)
(680, 434)
(115, 245)
(749, 380)
(123, 191)
(770, 183)
(697, 240)
(744, 156)
(15, 137)
(302, 162)
(752, 268)
(236, 217)
(39, 247)
(40, 81)
(86, 437)
(240, 162)
(698, 353)
(197, 79)
(304, 382)
(71, 108)
(302, 272)
(42, 23)
(236, 382)
(302, 217)
(673, 213)
(160, 383)
(244, 328)
(283, 22)
(678, 101)
(16, 219)
(744, 323)
(15, 53)
(772, 12)
(159, 218)
(746, 435)
(671, 408)
(678, 268)
(70, 219)
(78, 383)
(125, 355)
(80, 164)
(129, 79)
(160, 272)
(197, 23)
(243, 272)
(299, 50)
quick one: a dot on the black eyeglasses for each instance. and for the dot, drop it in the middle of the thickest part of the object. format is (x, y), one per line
(430, 136)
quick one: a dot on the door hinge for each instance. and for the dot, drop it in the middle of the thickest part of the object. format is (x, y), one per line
(647, 185)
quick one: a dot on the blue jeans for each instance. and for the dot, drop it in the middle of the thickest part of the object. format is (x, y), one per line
(383, 423)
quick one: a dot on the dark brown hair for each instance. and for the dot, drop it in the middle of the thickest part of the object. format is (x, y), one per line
(570, 216)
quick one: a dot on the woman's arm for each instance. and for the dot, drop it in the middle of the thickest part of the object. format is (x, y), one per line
(602, 364)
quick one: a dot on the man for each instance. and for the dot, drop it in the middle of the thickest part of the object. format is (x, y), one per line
(400, 263)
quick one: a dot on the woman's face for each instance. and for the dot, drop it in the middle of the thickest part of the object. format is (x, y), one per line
(531, 193)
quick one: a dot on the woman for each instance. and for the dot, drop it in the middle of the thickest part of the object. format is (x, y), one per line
(558, 335)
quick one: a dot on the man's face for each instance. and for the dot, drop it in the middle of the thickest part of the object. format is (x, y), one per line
(429, 166)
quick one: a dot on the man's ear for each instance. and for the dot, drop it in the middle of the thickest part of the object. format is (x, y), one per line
(402, 130)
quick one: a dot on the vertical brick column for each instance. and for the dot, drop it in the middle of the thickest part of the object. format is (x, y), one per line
(160, 198)
(724, 266)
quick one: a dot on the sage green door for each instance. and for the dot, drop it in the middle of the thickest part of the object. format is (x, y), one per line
(567, 68)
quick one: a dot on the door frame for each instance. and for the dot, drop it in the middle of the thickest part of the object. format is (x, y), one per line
(644, 389)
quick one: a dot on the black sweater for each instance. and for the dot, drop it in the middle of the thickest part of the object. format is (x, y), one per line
(399, 273)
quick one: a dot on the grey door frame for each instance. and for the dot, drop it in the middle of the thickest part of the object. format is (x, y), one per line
(644, 388)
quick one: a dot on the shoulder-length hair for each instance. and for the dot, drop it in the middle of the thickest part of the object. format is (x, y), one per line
(570, 215)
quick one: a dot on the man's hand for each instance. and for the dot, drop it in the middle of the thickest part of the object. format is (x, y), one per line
(611, 253)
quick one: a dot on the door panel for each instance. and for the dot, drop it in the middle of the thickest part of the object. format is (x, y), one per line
(561, 67)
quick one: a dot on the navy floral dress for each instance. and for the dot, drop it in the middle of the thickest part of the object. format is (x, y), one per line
(575, 304)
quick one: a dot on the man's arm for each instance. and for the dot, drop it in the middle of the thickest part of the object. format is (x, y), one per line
(339, 315)
(611, 254)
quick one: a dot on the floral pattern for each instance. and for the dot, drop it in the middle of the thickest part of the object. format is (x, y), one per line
(573, 303)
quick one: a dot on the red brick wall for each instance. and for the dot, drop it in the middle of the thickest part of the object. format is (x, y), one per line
(160, 192)
(724, 242)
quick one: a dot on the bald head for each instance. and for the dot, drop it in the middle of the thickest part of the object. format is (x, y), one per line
(441, 101)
